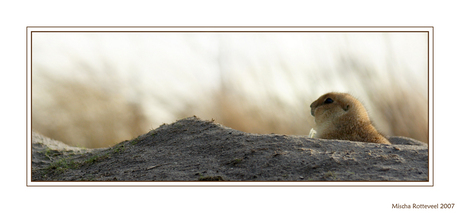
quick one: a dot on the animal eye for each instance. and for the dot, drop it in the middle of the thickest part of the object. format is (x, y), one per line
(328, 101)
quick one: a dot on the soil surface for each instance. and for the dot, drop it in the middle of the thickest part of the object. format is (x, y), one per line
(195, 150)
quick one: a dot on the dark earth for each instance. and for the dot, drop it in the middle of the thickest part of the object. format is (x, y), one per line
(192, 149)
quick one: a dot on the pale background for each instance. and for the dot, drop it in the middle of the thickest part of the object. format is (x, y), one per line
(98, 89)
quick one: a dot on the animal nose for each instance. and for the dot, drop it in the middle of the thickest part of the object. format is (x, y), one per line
(312, 112)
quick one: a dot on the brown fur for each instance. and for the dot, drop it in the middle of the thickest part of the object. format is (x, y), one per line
(344, 119)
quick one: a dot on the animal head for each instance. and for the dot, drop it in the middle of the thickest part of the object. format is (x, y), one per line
(334, 105)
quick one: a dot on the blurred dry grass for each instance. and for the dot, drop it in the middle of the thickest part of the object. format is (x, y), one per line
(94, 111)
(85, 115)
(395, 109)
(402, 112)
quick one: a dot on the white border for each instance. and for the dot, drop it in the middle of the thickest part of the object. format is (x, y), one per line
(429, 29)
(430, 105)
(229, 29)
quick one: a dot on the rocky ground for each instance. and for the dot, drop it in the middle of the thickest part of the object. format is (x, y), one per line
(195, 150)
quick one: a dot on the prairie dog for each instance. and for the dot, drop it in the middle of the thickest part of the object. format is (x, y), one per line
(341, 116)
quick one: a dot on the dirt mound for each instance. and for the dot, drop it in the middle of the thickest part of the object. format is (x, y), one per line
(195, 150)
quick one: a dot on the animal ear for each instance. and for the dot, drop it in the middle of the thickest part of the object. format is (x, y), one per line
(346, 107)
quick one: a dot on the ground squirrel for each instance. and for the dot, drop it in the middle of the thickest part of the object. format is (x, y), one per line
(341, 116)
